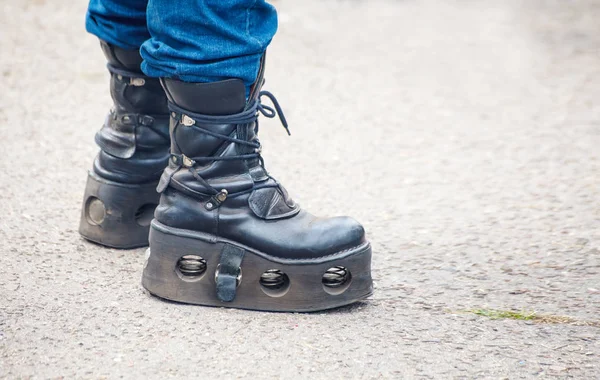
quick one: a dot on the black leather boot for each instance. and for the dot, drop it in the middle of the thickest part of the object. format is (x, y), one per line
(226, 233)
(120, 196)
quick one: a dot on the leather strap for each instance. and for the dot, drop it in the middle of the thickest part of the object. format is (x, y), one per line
(229, 271)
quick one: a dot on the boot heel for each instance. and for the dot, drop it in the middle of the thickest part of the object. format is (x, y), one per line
(186, 266)
(117, 215)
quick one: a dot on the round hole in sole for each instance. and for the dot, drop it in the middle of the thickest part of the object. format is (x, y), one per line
(336, 280)
(191, 267)
(274, 283)
(145, 214)
(95, 211)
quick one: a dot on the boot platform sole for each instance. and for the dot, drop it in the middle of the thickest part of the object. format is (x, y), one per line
(183, 266)
(117, 215)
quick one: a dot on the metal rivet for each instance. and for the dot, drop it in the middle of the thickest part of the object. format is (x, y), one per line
(120, 77)
(137, 82)
(222, 195)
(187, 162)
(187, 121)
(209, 205)
(173, 114)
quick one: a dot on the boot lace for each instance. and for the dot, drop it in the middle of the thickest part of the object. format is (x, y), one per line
(250, 115)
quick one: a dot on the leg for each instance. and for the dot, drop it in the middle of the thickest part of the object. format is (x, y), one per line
(225, 232)
(120, 195)
(207, 40)
(121, 23)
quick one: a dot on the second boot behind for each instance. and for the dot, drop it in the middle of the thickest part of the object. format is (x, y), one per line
(120, 195)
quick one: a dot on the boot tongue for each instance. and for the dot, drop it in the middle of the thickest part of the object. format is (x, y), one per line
(222, 98)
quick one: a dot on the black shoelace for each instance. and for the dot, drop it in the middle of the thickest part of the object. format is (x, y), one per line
(250, 115)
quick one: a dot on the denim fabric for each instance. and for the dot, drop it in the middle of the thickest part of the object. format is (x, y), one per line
(121, 23)
(193, 41)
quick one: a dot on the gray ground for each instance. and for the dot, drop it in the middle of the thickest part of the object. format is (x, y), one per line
(465, 136)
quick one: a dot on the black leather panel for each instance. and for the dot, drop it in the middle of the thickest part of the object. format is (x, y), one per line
(143, 167)
(177, 209)
(258, 173)
(127, 59)
(134, 139)
(117, 136)
(216, 98)
(302, 236)
(233, 183)
(270, 203)
(147, 99)
(193, 143)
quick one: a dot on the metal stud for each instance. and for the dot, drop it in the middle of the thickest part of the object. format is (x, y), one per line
(222, 195)
(137, 82)
(187, 121)
(187, 162)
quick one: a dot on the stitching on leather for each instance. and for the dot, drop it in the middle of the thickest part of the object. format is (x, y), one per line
(244, 175)
(188, 189)
(332, 254)
(274, 202)
(217, 217)
(253, 251)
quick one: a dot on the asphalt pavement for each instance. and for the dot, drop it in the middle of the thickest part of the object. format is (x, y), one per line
(464, 135)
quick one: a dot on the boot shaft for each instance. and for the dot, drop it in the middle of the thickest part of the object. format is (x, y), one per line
(223, 98)
(130, 89)
(211, 131)
(134, 139)
(215, 151)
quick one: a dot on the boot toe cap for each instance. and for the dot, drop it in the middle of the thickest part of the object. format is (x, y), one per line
(344, 233)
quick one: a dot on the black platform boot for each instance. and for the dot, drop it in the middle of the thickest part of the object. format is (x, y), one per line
(226, 233)
(120, 196)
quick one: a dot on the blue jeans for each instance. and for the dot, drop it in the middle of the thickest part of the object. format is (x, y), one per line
(193, 40)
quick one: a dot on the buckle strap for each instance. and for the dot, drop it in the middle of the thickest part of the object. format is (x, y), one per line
(216, 200)
(228, 275)
(133, 118)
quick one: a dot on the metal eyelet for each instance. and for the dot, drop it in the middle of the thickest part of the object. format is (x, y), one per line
(187, 162)
(137, 82)
(187, 121)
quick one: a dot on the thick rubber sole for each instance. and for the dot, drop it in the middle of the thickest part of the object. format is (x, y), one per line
(117, 215)
(303, 290)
